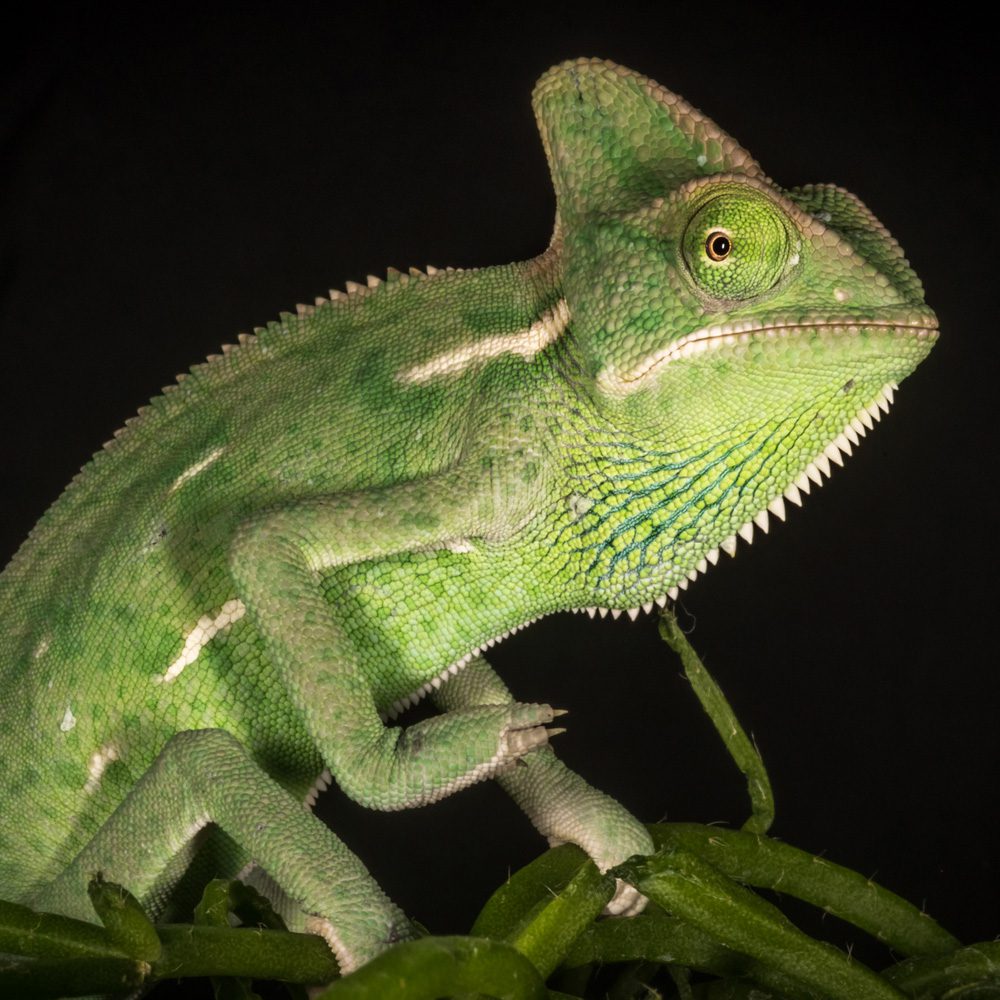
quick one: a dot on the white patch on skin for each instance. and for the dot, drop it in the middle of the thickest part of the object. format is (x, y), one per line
(460, 546)
(192, 470)
(579, 505)
(42, 648)
(68, 720)
(97, 764)
(526, 343)
(841, 295)
(205, 630)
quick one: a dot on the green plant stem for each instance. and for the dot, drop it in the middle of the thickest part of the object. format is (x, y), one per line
(531, 885)
(68, 977)
(692, 889)
(553, 925)
(51, 936)
(222, 897)
(766, 863)
(243, 951)
(127, 925)
(668, 940)
(442, 966)
(656, 936)
(971, 973)
(745, 755)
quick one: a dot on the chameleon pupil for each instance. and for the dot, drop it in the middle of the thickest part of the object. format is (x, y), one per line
(718, 246)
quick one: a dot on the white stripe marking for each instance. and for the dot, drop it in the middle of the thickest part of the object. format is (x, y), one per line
(97, 765)
(192, 470)
(202, 634)
(526, 343)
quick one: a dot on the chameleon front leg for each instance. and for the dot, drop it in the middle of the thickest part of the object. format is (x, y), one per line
(277, 559)
(560, 804)
(206, 776)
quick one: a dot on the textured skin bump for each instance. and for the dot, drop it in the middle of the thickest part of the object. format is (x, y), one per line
(337, 515)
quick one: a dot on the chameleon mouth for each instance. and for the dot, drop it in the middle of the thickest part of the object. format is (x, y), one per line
(922, 326)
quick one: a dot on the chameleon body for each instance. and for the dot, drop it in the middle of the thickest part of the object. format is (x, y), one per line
(234, 599)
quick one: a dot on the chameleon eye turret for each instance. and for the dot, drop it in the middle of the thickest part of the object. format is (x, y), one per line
(737, 245)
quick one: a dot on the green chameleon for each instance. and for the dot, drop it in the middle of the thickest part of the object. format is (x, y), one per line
(232, 602)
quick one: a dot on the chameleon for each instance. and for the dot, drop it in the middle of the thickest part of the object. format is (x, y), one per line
(235, 600)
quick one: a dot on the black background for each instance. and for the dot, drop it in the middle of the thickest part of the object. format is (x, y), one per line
(169, 180)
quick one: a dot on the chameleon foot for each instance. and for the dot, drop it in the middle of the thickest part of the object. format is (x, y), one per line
(519, 740)
(626, 902)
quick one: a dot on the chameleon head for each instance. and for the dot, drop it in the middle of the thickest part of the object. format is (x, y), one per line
(729, 308)
(745, 335)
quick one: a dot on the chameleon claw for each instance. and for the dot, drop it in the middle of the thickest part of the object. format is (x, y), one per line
(520, 741)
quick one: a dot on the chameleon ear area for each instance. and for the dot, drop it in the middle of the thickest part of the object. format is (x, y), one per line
(615, 139)
(850, 218)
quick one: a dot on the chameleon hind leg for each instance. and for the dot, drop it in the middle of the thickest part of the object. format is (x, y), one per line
(206, 776)
(560, 804)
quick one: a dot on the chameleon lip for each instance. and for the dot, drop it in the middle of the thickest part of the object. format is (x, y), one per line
(727, 334)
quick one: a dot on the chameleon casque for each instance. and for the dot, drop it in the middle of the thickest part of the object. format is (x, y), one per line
(231, 603)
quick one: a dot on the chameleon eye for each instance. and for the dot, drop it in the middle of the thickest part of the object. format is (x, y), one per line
(737, 244)
(717, 246)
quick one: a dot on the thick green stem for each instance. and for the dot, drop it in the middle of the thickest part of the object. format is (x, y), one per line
(554, 925)
(971, 973)
(692, 889)
(656, 936)
(24, 931)
(439, 967)
(127, 925)
(72, 977)
(531, 885)
(769, 864)
(244, 951)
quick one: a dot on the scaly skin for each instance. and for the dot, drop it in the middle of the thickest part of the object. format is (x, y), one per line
(316, 528)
